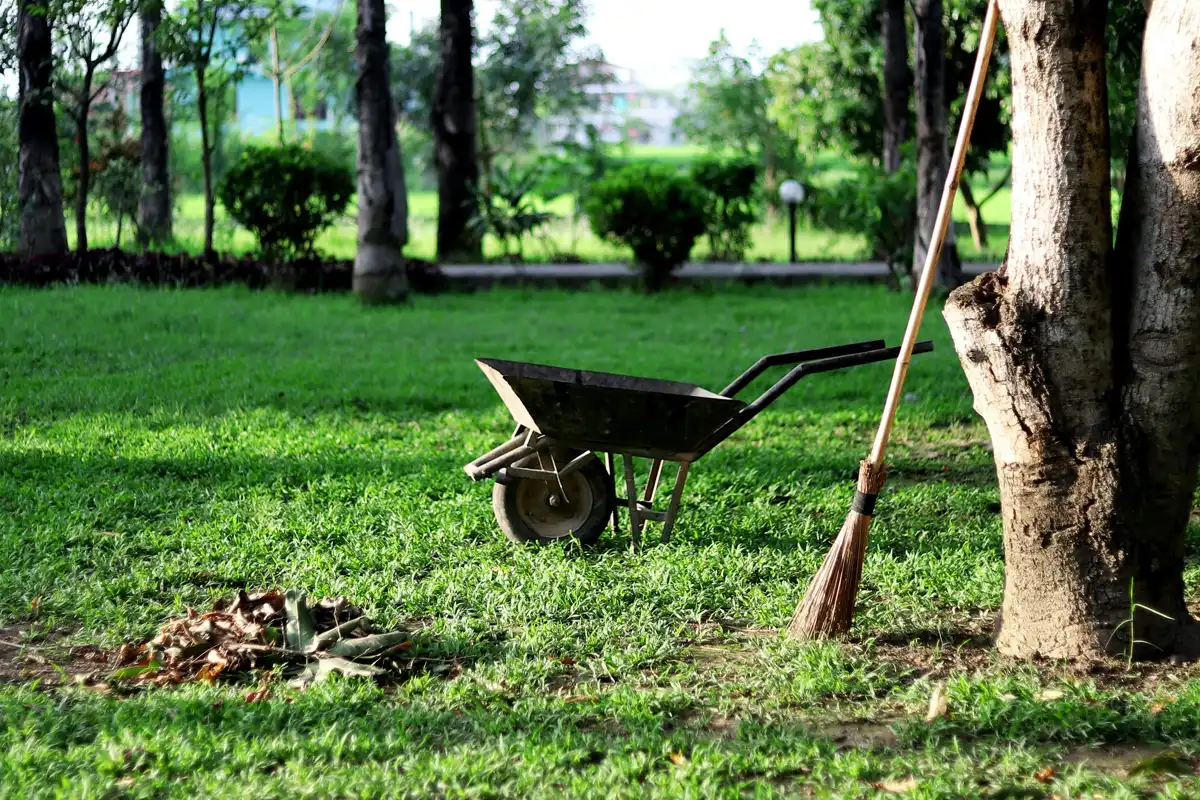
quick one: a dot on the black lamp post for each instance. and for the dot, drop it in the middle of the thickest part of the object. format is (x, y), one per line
(792, 193)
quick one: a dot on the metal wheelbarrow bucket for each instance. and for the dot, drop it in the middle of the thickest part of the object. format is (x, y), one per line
(551, 483)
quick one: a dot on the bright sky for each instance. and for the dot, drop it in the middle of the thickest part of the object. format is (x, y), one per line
(659, 39)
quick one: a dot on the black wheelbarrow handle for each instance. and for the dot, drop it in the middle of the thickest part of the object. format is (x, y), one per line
(856, 356)
(779, 359)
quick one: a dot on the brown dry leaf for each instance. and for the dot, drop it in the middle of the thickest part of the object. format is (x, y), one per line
(897, 786)
(34, 604)
(1044, 775)
(580, 698)
(258, 695)
(1050, 694)
(677, 758)
(938, 703)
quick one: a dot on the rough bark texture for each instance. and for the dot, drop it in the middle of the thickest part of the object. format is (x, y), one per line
(379, 275)
(897, 83)
(454, 134)
(154, 208)
(41, 227)
(933, 154)
(1085, 366)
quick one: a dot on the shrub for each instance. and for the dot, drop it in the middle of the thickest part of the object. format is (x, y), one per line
(286, 196)
(506, 209)
(730, 204)
(653, 210)
(874, 203)
(8, 175)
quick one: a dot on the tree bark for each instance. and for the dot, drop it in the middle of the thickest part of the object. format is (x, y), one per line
(206, 153)
(933, 156)
(897, 83)
(379, 267)
(1085, 365)
(154, 207)
(454, 132)
(41, 225)
(83, 186)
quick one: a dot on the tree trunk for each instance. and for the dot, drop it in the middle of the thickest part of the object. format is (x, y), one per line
(85, 163)
(1084, 365)
(206, 152)
(979, 231)
(897, 83)
(379, 268)
(276, 82)
(454, 129)
(933, 157)
(41, 226)
(154, 207)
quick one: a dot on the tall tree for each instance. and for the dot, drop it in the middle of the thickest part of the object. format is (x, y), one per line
(93, 31)
(933, 156)
(897, 83)
(1085, 360)
(379, 269)
(454, 133)
(154, 210)
(41, 228)
(209, 39)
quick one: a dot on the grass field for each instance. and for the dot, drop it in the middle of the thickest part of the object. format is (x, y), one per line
(160, 449)
(574, 238)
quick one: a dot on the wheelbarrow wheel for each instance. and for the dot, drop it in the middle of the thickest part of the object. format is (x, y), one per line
(544, 512)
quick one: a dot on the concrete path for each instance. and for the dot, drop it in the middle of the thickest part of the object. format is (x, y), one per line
(615, 274)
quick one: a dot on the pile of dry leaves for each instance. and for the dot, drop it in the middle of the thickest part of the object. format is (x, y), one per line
(266, 630)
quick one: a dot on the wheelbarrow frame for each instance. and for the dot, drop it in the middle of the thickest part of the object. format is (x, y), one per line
(524, 456)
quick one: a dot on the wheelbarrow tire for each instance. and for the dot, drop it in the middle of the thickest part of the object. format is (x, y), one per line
(525, 512)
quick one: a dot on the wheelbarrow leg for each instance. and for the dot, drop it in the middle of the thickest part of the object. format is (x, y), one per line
(652, 484)
(635, 517)
(611, 463)
(673, 509)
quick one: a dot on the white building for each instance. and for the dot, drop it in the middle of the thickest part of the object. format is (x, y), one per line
(621, 110)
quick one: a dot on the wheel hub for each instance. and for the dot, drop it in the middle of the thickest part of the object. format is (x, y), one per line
(555, 511)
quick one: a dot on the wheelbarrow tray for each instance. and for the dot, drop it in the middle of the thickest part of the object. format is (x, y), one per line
(610, 413)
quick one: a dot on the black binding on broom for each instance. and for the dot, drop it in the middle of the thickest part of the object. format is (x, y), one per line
(864, 503)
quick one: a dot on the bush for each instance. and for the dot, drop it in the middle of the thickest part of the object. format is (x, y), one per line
(286, 196)
(9, 209)
(731, 204)
(653, 210)
(506, 209)
(872, 202)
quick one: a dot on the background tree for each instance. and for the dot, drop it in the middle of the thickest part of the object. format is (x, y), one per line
(41, 227)
(1084, 359)
(897, 82)
(328, 80)
(92, 31)
(379, 267)
(730, 106)
(154, 211)
(454, 133)
(211, 39)
(933, 155)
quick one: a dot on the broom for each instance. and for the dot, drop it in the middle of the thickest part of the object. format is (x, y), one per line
(828, 606)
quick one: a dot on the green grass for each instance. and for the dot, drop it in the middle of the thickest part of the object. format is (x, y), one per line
(159, 449)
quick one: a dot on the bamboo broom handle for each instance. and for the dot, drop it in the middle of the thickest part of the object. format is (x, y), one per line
(879, 451)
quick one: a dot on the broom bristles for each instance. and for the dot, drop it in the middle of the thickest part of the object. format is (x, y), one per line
(827, 609)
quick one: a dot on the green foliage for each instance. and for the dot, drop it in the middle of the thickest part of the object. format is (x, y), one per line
(876, 204)
(730, 187)
(730, 106)
(1123, 37)
(655, 211)
(118, 177)
(506, 208)
(286, 196)
(9, 206)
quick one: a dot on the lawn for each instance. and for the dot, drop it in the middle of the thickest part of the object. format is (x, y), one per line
(160, 449)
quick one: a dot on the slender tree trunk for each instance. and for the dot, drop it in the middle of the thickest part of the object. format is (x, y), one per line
(1085, 365)
(41, 226)
(979, 231)
(454, 131)
(933, 157)
(276, 83)
(85, 163)
(379, 267)
(206, 153)
(154, 207)
(897, 83)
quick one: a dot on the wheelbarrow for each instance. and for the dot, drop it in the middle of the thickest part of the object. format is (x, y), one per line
(550, 482)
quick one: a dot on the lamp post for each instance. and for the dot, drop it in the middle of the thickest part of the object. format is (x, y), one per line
(792, 193)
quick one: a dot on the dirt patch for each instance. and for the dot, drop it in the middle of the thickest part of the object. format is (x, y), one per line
(861, 734)
(29, 653)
